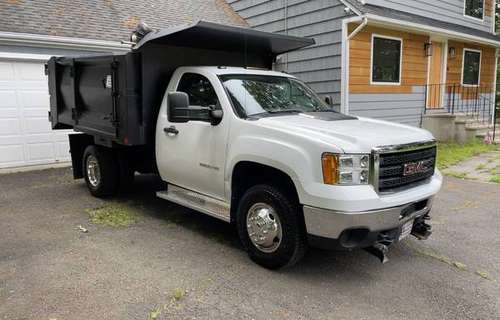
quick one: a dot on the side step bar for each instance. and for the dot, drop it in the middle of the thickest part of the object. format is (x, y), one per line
(196, 201)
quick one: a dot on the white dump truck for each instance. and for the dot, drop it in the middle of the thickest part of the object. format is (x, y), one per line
(200, 106)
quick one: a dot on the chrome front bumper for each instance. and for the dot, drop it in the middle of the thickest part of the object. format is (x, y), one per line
(330, 224)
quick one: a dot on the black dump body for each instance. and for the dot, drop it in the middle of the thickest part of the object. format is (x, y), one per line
(116, 98)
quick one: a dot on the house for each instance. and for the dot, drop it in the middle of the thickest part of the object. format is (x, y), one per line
(390, 59)
(32, 31)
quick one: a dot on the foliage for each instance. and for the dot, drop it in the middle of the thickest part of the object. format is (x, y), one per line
(453, 153)
(116, 215)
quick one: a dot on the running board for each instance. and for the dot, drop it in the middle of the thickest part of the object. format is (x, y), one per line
(196, 201)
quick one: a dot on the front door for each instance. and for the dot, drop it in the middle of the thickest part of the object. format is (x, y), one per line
(434, 90)
(194, 157)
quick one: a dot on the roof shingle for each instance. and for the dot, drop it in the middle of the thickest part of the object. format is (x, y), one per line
(111, 20)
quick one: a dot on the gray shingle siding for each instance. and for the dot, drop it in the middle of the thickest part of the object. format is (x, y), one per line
(318, 65)
(445, 10)
(405, 108)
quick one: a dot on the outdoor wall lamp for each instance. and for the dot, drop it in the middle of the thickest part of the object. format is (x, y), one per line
(428, 49)
(452, 52)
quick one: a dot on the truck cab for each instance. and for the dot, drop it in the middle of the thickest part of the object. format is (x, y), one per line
(258, 145)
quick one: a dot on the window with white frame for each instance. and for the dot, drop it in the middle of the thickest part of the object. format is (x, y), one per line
(471, 70)
(474, 9)
(386, 60)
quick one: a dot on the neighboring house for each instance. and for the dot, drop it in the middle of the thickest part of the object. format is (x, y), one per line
(389, 59)
(33, 30)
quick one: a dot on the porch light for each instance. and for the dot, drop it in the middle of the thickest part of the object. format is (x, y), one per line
(428, 49)
(452, 52)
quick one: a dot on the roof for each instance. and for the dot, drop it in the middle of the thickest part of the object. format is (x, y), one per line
(239, 70)
(208, 35)
(422, 20)
(111, 20)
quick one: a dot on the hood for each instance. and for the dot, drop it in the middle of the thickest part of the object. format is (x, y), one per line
(352, 135)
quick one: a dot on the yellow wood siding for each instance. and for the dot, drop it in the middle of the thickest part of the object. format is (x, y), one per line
(414, 65)
(454, 71)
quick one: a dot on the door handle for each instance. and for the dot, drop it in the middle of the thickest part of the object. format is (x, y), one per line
(171, 130)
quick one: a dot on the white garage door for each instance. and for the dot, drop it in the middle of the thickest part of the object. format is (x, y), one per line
(25, 134)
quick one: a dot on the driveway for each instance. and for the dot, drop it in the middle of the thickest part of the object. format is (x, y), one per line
(173, 263)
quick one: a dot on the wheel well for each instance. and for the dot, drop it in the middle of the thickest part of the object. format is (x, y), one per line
(247, 174)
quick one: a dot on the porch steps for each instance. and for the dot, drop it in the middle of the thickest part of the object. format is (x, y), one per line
(459, 127)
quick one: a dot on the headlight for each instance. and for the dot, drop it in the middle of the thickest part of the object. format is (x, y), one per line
(346, 169)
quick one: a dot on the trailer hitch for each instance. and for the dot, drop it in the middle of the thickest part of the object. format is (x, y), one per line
(381, 246)
(421, 230)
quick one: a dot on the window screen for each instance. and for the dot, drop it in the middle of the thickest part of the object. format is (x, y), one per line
(386, 60)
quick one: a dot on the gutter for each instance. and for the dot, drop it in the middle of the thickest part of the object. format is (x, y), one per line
(411, 26)
(46, 41)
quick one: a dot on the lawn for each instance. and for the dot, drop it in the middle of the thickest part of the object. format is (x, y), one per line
(453, 153)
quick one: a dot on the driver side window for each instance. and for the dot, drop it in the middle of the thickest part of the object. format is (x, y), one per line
(199, 89)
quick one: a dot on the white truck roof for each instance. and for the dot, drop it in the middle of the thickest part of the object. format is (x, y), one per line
(222, 70)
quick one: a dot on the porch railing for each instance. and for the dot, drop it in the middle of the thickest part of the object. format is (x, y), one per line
(474, 102)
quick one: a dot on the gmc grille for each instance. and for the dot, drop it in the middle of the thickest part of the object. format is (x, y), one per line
(402, 170)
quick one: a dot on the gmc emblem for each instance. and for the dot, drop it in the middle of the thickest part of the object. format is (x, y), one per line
(414, 168)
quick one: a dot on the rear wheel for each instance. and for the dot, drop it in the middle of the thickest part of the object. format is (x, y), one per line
(270, 227)
(100, 172)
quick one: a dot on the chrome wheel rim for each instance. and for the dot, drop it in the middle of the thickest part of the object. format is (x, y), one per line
(93, 171)
(264, 227)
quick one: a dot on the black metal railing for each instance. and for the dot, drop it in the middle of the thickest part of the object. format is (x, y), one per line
(474, 102)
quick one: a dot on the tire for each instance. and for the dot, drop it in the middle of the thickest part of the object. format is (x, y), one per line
(100, 171)
(285, 250)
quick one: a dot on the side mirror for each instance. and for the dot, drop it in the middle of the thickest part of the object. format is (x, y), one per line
(179, 110)
(178, 107)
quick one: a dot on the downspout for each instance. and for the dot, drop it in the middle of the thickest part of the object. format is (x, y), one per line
(286, 31)
(358, 29)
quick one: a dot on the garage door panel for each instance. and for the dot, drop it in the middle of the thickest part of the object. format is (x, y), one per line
(6, 71)
(11, 154)
(8, 99)
(34, 99)
(62, 151)
(10, 127)
(40, 151)
(36, 125)
(29, 71)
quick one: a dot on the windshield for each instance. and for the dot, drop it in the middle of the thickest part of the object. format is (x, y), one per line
(261, 94)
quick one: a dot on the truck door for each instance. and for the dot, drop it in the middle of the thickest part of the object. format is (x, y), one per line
(193, 157)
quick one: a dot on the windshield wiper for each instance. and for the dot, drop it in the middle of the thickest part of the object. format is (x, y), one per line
(286, 111)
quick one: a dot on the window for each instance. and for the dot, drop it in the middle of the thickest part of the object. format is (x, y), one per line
(199, 89)
(257, 95)
(386, 60)
(474, 9)
(471, 67)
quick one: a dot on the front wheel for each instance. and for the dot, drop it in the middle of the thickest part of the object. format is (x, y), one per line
(271, 227)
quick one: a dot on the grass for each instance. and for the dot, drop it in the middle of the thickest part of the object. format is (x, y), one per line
(115, 215)
(452, 153)
(495, 178)
(482, 166)
(455, 174)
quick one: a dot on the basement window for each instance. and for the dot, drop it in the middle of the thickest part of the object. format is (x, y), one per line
(474, 9)
(471, 67)
(386, 60)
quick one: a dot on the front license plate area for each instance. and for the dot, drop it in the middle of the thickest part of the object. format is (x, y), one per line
(406, 230)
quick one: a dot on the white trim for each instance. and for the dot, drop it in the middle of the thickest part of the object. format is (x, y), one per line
(493, 17)
(345, 62)
(24, 56)
(463, 65)
(474, 18)
(416, 27)
(37, 40)
(400, 60)
(497, 52)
